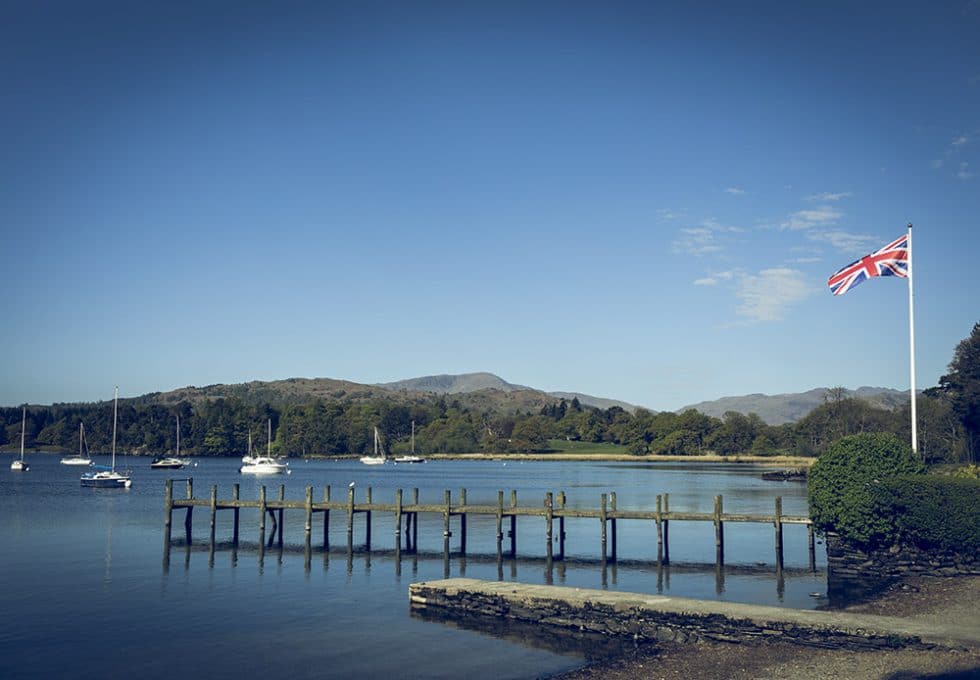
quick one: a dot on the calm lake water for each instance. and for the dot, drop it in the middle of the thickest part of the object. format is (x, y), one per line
(88, 594)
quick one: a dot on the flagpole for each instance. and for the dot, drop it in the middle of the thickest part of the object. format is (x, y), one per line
(915, 439)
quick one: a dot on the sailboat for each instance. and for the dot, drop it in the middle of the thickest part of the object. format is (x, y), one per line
(379, 453)
(411, 458)
(170, 463)
(263, 465)
(108, 477)
(82, 458)
(19, 464)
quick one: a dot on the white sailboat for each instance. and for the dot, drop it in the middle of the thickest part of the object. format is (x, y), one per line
(19, 464)
(82, 458)
(170, 462)
(379, 453)
(109, 478)
(263, 465)
(411, 458)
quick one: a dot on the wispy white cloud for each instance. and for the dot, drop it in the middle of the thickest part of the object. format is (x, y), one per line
(842, 240)
(734, 191)
(828, 196)
(768, 295)
(703, 239)
(714, 279)
(668, 214)
(964, 171)
(806, 260)
(820, 216)
(938, 163)
(962, 140)
(697, 241)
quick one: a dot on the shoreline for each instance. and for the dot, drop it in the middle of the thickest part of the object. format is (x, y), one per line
(773, 461)
(917, 598)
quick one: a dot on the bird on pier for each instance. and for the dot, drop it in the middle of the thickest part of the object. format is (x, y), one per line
(351, 485)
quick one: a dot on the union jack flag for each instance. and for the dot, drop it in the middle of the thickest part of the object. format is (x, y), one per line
(892, 260)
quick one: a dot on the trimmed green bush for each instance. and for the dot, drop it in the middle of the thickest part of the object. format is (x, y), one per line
(933, 512)
(841, 485)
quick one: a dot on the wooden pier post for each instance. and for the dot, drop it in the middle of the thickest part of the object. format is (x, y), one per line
(811, 547)
(548, 517)
(446, 533)
(602, 523)
(612, 507)
(262, 509)
(367, 520)
(309, 514)
(398, 524)
(235, 496)
(214, 511)
(500, 524)
(462, 521)
(168, 509)
(666, 524)
(189, 515)
(513, 524)
(779, 533)
(658, 520)
(415, 521)
(326, 519)
(719, 533)
(350, 519)
(561, 526)
(280, 523)
(190, 488)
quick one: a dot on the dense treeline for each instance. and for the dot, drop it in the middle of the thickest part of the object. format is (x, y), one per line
(948, 425)
(222, 427)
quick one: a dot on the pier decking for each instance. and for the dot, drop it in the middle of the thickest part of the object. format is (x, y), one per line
(552, 509)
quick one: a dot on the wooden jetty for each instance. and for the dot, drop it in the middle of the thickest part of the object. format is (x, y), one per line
(551, 510)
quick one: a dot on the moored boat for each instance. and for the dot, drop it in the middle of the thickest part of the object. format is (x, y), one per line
(104, 477)
(18, 464)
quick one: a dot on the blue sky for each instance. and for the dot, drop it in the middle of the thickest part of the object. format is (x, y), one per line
(640, 201)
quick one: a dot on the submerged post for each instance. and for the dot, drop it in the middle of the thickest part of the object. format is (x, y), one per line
(446, 533)
(811, 547)
(262, 508)
(658, 519)
(309, 513)
(666, 524)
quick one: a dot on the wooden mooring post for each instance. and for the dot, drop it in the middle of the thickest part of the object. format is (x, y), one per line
(608, 513)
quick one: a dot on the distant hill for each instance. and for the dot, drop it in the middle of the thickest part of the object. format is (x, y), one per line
(466, 383)
(777, 409)
(454, 384)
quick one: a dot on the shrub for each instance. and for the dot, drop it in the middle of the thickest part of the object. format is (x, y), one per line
(841, 485)
(933, 512)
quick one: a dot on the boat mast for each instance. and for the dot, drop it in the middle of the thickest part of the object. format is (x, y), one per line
(268, 446)
(81, 437)
(23, 427)
(413, 437)
(115, 416)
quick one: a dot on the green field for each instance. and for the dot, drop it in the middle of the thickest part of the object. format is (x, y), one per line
(563, 446)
